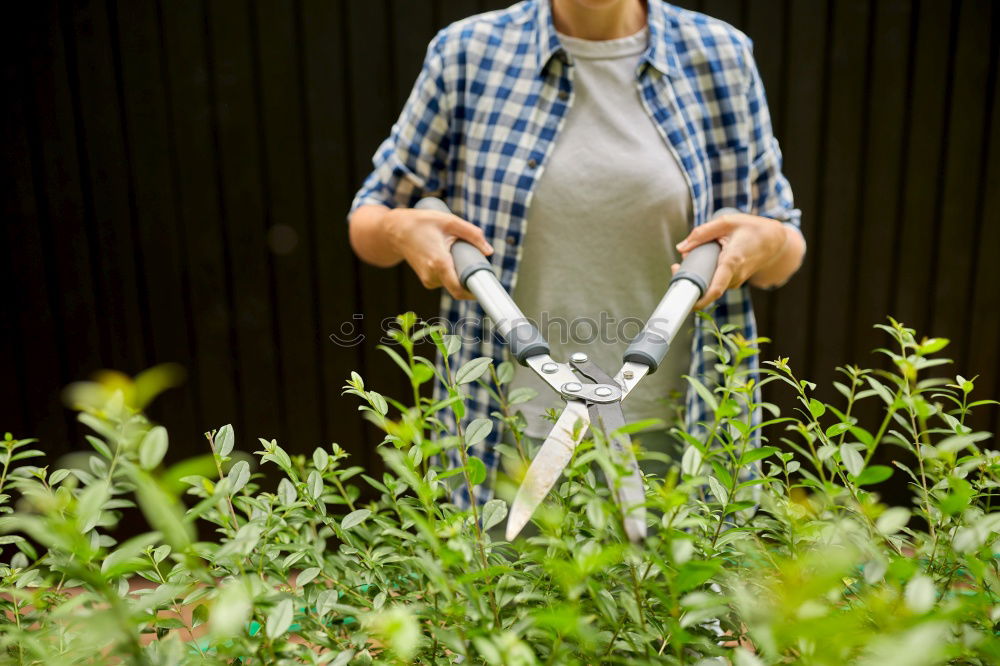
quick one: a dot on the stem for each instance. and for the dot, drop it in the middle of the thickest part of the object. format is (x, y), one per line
(218, 466)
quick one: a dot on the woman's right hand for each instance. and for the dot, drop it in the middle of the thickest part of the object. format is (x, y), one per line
(424, 237)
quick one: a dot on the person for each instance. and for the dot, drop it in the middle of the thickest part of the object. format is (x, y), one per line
(584, 145)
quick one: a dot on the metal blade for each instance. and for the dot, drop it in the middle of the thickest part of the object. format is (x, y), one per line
(627, 487)
(552, 458)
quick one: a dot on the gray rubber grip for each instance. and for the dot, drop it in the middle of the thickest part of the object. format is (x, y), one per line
(699, 265)
(468, 259)
(526, 341)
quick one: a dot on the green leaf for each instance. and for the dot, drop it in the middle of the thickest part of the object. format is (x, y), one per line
(873, 474)
(837, 429)
(494, 512)
(816, 408)
(892, 520)
(521, 395)
(90, 504)
(691, 461)
(704, 393)
(853, 462)
(753, 455)
(307, 576)
(315, 484)
(932, 345)
(153, 447)
(320, 459)
(472, 370)
(477, 431)
(720, 493)
(224, 440)
(279, 619)
(505, 372)
(354, 518)
(477, 471)
(239, 475)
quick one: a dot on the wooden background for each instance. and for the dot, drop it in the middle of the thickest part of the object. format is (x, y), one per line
(175, 177)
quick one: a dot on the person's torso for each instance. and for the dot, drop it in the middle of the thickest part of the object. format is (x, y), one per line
(602, 222)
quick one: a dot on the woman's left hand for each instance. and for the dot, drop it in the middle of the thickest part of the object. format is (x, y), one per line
(750, 245)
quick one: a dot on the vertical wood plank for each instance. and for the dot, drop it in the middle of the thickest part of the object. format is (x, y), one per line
(195, 169)
(107, 179)
(236, 127)
(803, 100)
(290, 232)
(148, 144)
(880, 213)
(955, 227)
(843, 172)
(923, 172)
(331, 178)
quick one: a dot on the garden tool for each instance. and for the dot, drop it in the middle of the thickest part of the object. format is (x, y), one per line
(592, 397)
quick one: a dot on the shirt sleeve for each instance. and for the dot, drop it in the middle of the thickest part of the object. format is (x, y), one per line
(412, 162)
(771, 195)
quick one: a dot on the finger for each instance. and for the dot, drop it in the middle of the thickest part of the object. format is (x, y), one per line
(703, 233)
(469, 232)
(720, 281)
(674, 268)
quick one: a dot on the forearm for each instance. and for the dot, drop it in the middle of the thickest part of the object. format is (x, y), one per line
(785, 263)
(370, 238)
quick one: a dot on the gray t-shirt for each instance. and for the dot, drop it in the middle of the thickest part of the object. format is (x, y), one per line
(601, 228)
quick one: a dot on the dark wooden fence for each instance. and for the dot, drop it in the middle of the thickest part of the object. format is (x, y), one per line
(175, 177)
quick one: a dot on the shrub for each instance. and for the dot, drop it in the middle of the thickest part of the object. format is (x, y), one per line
(767, 555)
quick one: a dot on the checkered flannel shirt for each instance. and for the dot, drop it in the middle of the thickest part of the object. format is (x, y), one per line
(487, 108)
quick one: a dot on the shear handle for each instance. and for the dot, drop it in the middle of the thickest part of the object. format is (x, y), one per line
(686, 287)
(476, 274)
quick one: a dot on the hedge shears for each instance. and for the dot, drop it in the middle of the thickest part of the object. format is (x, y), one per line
(593, 398)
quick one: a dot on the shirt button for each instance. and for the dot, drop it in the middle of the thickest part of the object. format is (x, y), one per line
(532, 163)
(511, 239)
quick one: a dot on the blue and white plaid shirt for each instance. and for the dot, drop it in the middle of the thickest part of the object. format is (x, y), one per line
(486, 111)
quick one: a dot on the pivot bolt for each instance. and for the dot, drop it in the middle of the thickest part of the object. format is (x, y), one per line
(549, 368)
(602, 391)
(628, 374)
(572, 387)
(578, 357)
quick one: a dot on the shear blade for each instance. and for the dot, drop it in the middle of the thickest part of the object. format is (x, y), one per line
(545, 469)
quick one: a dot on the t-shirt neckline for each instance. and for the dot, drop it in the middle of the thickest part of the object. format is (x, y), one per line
(629, 45)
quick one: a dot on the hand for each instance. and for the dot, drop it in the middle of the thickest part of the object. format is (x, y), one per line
(749, 244)
(424, 237)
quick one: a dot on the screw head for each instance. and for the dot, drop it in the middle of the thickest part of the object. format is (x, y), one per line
(628, 374)
(602, 391)
(578, 357)
(549, 368)
(572, 387)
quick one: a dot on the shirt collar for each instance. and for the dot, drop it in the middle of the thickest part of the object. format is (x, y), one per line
(661, 53)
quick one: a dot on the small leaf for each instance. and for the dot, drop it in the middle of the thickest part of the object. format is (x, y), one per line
(852, 460)
(837, 429)
(320, 459)
(354, 518)
(239, 475)
(920, 594)
(307, 576)
(280, 619)
(753, 455)
(691, 461)
(224, 440)
(153, 447)
(873, 474)
(472, 370)
(477, 471)
(315, 484)
(704, 393)
(494, 512)
(477, 431)
(816, 408)
(720, 493)
(892, 520)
